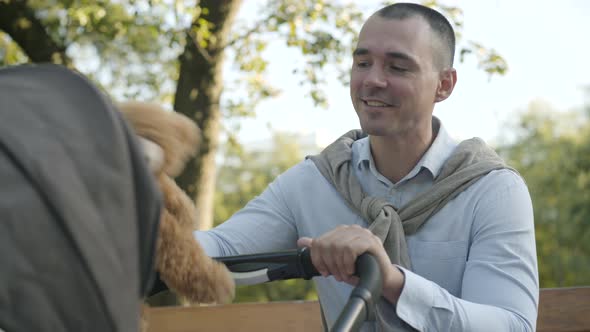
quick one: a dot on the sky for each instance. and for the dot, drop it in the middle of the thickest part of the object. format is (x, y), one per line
(545, 43)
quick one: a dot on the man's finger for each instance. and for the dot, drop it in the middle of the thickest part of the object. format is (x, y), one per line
(319, 263)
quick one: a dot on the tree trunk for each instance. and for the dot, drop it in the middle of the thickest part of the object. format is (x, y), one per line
(198, 93)
(20, 23)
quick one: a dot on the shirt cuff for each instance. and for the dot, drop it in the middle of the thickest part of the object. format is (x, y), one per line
(416, 300)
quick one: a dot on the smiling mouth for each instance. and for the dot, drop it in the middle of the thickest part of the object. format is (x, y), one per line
(373, 103)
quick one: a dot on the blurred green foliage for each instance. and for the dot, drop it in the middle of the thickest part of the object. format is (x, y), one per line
(551, 150)
(243, 175)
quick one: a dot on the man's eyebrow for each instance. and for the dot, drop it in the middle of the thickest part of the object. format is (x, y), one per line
(400, 55)
(392, 55)
(360, 51)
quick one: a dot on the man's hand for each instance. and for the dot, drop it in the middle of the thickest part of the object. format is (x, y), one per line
(335, 253)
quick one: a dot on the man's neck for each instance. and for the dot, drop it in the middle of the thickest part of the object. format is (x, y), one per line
(396, 156)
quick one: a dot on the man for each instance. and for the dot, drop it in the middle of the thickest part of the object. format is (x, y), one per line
(450, 224)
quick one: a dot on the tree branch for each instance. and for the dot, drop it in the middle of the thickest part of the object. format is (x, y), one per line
(19, 22)
(247, 34)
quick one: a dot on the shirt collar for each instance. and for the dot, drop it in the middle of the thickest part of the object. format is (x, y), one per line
(441, 149)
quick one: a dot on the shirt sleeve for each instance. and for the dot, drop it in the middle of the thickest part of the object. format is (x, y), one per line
(265, 224)
(500, 287)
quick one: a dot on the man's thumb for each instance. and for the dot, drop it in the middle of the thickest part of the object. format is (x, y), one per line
(305, 242)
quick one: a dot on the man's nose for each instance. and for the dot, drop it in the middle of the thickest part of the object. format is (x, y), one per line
(375, 78)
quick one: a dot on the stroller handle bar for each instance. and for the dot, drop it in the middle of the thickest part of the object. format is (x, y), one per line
(296, 263)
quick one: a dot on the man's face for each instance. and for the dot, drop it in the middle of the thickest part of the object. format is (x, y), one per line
(393, 79)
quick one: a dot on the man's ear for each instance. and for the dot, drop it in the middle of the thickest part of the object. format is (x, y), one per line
(446, 84)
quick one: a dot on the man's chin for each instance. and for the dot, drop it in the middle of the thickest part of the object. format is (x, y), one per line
(377, 130)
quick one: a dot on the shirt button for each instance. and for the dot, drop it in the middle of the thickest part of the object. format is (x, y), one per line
(392, 191)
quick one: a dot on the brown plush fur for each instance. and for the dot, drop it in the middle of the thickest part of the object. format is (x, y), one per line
(180, 260)
(176, 134)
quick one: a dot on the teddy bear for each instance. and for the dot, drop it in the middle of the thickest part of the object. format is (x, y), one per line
(169, 139)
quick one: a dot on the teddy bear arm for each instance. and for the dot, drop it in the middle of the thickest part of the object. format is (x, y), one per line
(178, 204)
(186, 268)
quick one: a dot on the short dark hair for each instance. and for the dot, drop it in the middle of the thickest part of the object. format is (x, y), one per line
(437, 22)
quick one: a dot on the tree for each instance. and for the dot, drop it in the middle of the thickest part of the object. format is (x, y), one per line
(551, 150)
(173, 51)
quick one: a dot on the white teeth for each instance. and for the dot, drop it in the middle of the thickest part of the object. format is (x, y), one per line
(375, 103)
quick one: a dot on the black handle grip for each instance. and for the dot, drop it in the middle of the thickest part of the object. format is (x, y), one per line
(362, 301)
(308, 270)
(280, 265)
(361, 304)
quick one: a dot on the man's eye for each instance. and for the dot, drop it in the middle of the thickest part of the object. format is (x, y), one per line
(362, 64)
(398, 68)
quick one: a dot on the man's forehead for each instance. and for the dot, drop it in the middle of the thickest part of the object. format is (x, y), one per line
(376, 18)
(387, 36)
(409, 26)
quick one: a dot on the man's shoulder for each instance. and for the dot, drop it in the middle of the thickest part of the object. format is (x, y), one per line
(498, 185)
(303, 172)
(304, 183)
(502, 179)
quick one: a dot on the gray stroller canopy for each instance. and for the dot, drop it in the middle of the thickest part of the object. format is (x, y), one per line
(79, 209)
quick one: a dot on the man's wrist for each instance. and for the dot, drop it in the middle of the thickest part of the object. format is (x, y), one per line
(393, 284)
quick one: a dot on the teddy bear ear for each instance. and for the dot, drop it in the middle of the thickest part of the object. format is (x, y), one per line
(176, 135)
(153, 154)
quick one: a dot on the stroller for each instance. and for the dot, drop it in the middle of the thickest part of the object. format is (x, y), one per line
(79, 210)
(79, 213)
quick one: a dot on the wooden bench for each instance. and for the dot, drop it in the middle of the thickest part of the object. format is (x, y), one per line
(560, 310)
(564, 310)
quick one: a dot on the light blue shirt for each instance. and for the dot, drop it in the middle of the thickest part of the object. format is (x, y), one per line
(474, 263)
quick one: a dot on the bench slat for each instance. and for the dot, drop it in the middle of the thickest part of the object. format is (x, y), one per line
(560, 310)
(564, 310)
(258, 317)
